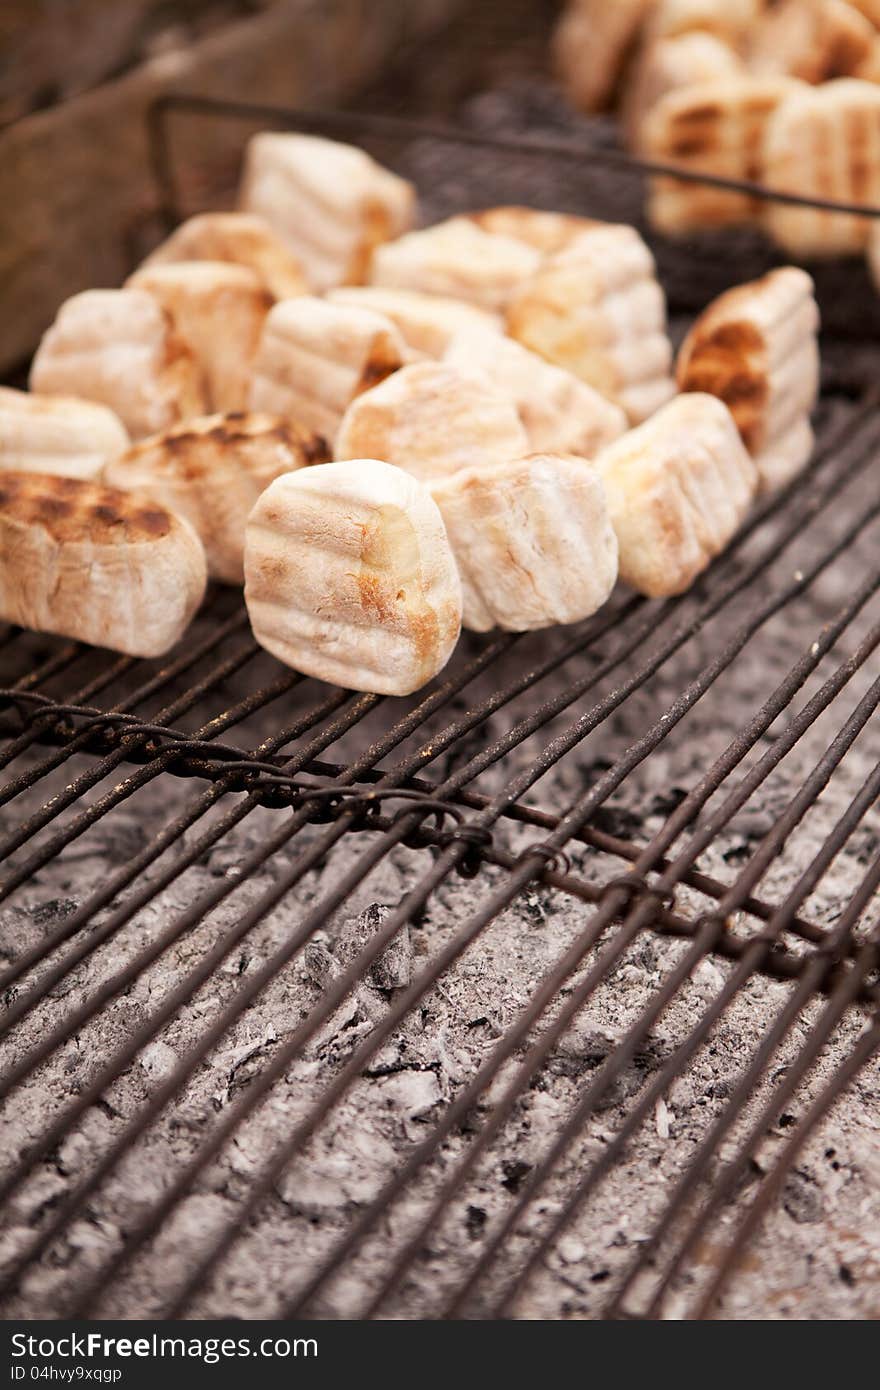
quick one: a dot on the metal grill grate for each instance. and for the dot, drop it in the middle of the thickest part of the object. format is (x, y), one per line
(556, 811)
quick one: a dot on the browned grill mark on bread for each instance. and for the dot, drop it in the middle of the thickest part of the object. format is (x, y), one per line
(72, 509)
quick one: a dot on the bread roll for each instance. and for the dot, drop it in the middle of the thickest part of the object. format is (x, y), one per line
(315, 358)
(241, 238)
(433, 419)
(219, 310)
(597, 309)
(532, 539)
(678, 488)
(755, 349)
(95, 564)
(824, 142)
(349, 577)
(459, 260)
(57, 434)
(330, 203)
(560, 414)
(211, 470)
(120, 348)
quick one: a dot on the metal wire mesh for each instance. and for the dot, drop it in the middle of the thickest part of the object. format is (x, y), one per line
(510, 774)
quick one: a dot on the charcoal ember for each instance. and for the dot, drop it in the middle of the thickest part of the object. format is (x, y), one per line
(321, 965)
(802, 1198)
(393, 968)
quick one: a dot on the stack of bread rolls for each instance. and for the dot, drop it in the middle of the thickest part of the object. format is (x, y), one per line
(386, 432)
(785, 93)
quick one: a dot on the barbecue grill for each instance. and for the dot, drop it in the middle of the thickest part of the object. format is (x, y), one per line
(530, 995)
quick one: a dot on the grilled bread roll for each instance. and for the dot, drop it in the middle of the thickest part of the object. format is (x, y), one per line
(120, 348)
(240, 238)
(755, 348)
(532, 539)
(691, 59)
(591, 44)
(330, 203)
(715, 128)
(218, 309)
(432, 419)
(824, 142)
(426, 322)
(315, 358)
(57, 434)
(545, 231)
(678, 488)
(349, 577)
(597, 310)
(814, 40)
(456, 259)
(559, 413)
(212, 470)
(96, 564)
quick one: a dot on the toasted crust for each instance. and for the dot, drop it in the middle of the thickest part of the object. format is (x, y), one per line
(755, 349)
(532, 539)
(597, 310)
(219, 310)
(678, 488)
(432, 419)
(459, 260)
(212, 470)
(96, 564)
(330, 203)
(119, 348)
(57, 434)
(240, 238)
(716, 128)
(560, 414)
(315, 358)
(591, 44)
(350, 577)
(824, 142)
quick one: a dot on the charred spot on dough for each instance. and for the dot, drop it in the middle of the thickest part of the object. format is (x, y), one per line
(743, 389)
(152, 520)
(709, 111)
(175, 441)
(53, 508)
(68, 486)
(736, 337)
